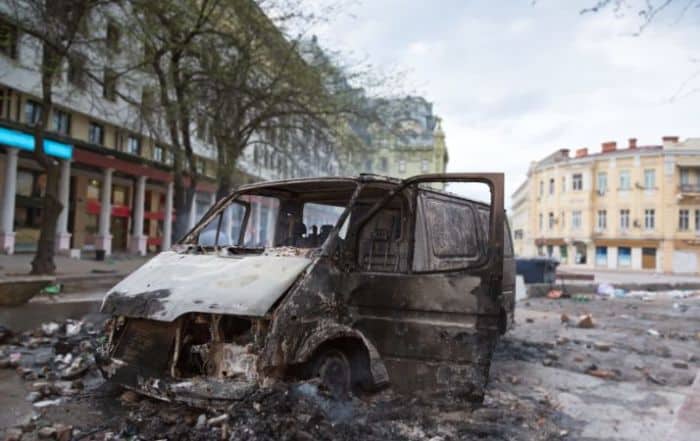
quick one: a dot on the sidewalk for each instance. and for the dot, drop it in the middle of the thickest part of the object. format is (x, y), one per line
(617, 276)
(20, 265)
(87, 278)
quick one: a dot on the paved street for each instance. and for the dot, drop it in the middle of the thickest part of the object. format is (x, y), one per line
(623, 379)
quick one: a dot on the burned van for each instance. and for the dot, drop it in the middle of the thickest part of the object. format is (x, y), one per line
(362, 282)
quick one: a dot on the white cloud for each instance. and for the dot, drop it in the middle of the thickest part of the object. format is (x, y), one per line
(514, 83)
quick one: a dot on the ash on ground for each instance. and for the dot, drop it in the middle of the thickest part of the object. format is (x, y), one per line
(589, 368)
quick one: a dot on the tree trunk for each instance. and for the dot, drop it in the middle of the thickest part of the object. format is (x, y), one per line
(43, 262)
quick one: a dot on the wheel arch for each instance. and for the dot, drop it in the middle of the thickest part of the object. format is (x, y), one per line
(328, 335)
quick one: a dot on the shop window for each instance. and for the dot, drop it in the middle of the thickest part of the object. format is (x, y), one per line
(25, 183)
(601, 256)
(93, 189)
(119, 195)
(563, 253)
(624, 256)
(580, 256)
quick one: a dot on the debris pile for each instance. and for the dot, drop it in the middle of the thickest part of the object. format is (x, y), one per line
(65, 391)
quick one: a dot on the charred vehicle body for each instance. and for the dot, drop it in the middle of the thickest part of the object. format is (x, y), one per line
(361, 282)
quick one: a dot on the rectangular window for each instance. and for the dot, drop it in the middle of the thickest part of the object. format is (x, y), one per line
(133, 145)
(541, 188)
(32, 112)
(563, 184)
(576, 219)
(602, 219)
(113, 36)
(551, 186)
(96, 134)
(169, 158)
(625, 182)
(601, 256)
(624, 219)
(624, 256)
(685, 176)
(541, 222)
(425, 166)
(61, 122)
(109, 87)
(649, 219)
(577, 182)
(77, 74)
(9, 37)
(158, 153)
(552, 221)
(602, 183)
(563, 219)
(697, 221)
(199, 165)
(368, 166)
(384, 164)
(649, 179)
(683, 220)
(402, 166)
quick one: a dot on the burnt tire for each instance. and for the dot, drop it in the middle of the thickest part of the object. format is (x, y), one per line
(342, 370)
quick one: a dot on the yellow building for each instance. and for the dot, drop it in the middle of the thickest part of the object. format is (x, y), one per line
(636, 207)
(409, 140)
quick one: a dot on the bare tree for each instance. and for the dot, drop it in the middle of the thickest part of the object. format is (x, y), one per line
(56, 26)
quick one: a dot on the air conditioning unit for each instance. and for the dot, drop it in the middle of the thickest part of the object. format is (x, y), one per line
(601, 192)
(636, 224)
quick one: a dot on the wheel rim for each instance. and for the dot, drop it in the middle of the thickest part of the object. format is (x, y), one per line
(333, 370)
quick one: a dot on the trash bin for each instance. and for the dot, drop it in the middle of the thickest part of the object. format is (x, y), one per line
(537, 269)
(100, 255)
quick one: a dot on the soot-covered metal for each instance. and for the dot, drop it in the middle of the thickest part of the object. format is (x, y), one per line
(362, 282)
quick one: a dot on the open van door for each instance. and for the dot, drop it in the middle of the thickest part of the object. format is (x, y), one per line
(426, 283)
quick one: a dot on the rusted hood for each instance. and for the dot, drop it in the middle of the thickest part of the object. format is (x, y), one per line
(172, 284)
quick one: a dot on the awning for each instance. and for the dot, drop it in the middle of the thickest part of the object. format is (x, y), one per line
(25, 141)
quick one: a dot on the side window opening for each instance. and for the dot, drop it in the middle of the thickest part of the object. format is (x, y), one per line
(451, 233)
(381, 243)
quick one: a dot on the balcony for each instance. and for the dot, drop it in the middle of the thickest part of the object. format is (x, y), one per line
(689, 188)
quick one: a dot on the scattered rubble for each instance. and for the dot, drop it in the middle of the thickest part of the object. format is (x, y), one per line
(585, 321)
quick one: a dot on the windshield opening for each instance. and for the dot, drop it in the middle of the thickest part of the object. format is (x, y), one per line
(256, 222)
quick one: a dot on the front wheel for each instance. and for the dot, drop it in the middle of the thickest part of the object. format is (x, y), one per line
(332, 366)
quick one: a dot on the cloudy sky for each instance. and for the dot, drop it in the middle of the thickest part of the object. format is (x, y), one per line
(515, 81)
